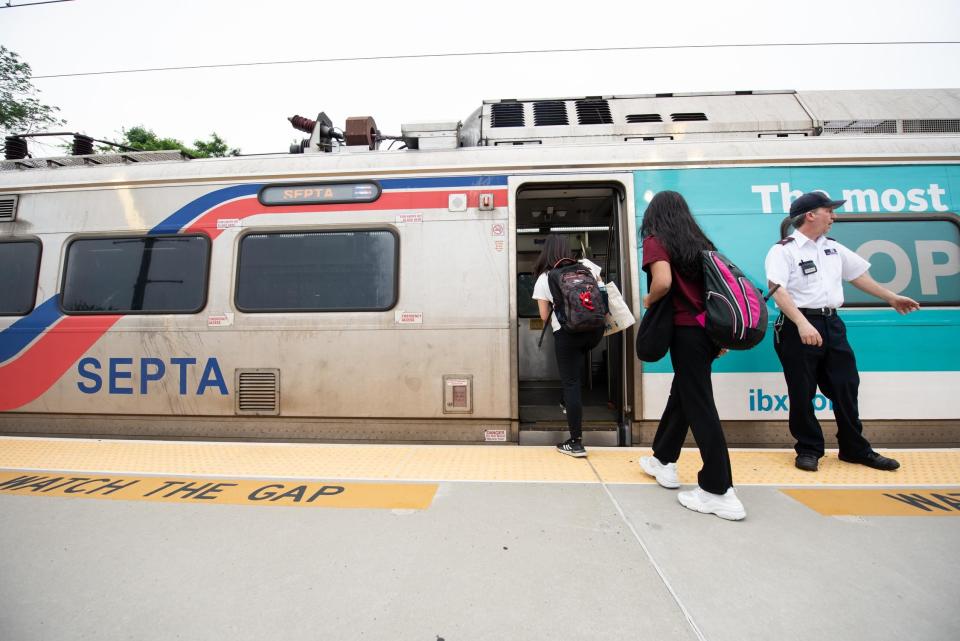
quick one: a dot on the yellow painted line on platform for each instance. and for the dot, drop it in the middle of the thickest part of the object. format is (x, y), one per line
(406, 496)
(920, 468)
(925, 468)
(888, 502)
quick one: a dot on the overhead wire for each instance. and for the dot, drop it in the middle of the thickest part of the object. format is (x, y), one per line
(517, 52)
(9, 4)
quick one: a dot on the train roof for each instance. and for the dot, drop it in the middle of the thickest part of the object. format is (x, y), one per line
(601, 133)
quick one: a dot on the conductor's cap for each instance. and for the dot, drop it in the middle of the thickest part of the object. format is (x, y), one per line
(812, 200)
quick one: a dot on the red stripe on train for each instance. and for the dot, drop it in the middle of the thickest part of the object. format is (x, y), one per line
(400, 200)
(29, 376)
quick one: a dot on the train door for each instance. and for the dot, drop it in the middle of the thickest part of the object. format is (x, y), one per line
(594, 218)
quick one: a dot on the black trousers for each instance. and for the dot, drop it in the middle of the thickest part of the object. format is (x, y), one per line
(832, 367)
(691, 405)
(571, 349)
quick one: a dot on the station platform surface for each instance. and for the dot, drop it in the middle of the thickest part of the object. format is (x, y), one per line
(213, 540)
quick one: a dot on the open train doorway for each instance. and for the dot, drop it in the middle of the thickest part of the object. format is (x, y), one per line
(589, 216)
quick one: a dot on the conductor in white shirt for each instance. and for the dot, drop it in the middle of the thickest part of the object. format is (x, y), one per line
(810, 338)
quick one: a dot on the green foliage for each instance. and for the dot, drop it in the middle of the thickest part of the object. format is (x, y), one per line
(20, 111)
(145, 139)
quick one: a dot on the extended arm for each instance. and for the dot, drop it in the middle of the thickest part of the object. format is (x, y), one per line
(902, 304)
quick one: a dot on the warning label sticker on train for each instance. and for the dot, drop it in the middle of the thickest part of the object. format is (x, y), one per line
(298, 493)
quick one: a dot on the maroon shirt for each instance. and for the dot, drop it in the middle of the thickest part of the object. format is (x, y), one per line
(687, 293)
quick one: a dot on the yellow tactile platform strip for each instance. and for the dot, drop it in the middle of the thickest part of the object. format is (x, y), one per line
(447, 463)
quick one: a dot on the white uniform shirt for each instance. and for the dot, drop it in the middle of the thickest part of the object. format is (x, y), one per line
(824, 288)
(541, 289)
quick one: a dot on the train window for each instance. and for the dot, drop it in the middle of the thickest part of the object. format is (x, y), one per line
(136, 275)
(916, 256)
(338, 271)
(19, 270)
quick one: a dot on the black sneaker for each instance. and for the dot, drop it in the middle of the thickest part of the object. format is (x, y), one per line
(874, 460)
(573, 448)
(807, 462)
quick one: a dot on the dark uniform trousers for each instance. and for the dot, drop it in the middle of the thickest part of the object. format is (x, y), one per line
(691, 404)
(833, 367)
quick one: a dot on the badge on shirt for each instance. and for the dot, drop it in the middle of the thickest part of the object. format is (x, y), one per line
(830, 251)
(808, 267)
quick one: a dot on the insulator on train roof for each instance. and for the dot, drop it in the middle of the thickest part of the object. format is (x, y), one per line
(82, 145)
(15, 148)
(300, 147)
(303, 124)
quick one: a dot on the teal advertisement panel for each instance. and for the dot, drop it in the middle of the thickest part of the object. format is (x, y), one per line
(914, 249)
(899, 189)
(910, 256)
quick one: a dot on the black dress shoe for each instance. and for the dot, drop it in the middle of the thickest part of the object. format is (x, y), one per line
(807, 462)
(874, 460)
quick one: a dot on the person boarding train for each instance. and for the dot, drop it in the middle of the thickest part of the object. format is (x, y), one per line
(672, 246)
(570, 347)
(808, 268)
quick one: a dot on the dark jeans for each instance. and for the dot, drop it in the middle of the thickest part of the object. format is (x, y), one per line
(833, 367)
(691, 405)
(571, 349)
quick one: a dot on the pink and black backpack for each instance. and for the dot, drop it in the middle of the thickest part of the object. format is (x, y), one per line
(736, 311)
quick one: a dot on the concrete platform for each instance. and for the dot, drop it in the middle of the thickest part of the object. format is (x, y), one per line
(501, 543)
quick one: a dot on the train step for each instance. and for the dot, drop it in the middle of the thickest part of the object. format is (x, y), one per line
(595, 433)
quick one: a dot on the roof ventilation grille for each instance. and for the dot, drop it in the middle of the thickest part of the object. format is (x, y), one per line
(639, 118)
(550, 112)
(860, 127)
(688, 116)
(8, 209)
(944, 126)
(507, 114)
(593, 112)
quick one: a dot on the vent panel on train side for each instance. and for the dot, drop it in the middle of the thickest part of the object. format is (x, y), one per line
(258, 391)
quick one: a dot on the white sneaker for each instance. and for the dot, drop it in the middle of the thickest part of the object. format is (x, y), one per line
(726, 506)
(666, 475)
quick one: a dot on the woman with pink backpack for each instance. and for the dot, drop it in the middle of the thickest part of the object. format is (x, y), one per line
(672, 246)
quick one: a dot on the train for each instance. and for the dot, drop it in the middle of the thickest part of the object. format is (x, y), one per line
(350, 292)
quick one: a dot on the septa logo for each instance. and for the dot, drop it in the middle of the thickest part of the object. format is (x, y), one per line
(121, 372)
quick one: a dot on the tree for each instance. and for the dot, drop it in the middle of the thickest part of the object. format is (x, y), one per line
(145, 139)
(20, 111)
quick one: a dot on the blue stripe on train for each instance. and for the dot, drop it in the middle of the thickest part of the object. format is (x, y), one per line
(180, 218)
(176, 221)
(14, 338)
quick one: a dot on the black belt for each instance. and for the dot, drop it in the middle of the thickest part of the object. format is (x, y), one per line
(819, 311)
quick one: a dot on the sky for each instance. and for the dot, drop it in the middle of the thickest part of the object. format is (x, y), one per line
(248, 106)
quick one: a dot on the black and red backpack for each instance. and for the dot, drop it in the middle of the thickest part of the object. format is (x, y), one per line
(578, 301)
